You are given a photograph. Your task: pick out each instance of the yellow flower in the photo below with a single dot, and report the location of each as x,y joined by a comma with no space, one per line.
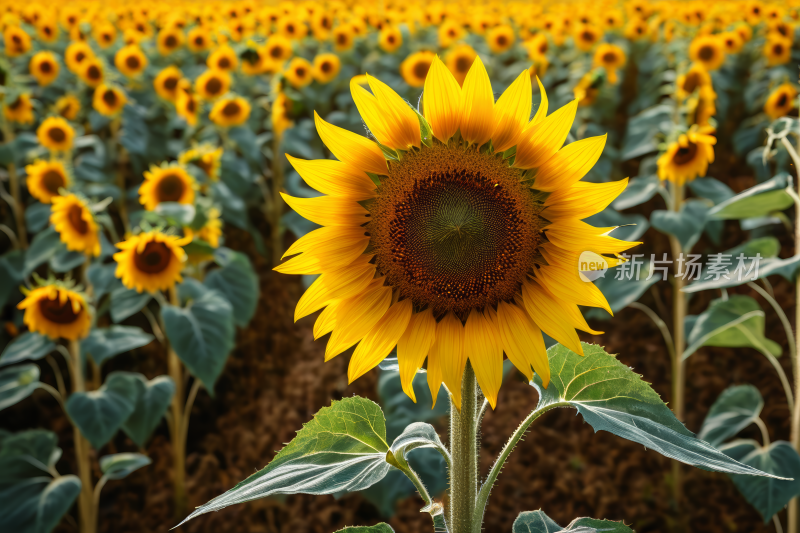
415,67
17,42
537,47
612,19
586,37
326,67
343,37
56,312
321,24
611,57
198,39
292,28
75,224
780,101
166,83
459,60
91,72
500,38
47,30
108,100
744,31
230,112
390,39
733,42
460,254
281,115
45,178
169,40
449,32
212,84
636,29
778,50
186,103
166,184
130,60
696,78
44,67
68,106
278,48
150,261
708,50
212,229
688,157
206,157
587,89
75,55
104,34
55,133
782,29
256,61
299,72
223,58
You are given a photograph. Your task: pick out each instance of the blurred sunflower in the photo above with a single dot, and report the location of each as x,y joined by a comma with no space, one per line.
449,32
91,72
636,29
500,38
150,261
781,28
689,156
57,312
586,37
45,178
75,224
198,39
780,101
279,48
108,100
212,229
299,72
696,78
612,19
777,50
206,156
745,32
611,57
212,84
16,40
733,42
415,68
169,39
449,260
104,34
166,83
68,106
255,60
459,60
44,67
343,37
187,104
390,39
230,112
47,30
708,50
588,88
701,107
326,67
166,184
281,114
55,133
76,54
223,58
130,60
292,28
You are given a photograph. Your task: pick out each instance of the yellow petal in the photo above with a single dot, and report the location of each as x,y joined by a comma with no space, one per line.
355,318
512,113
582,199
578,236
401,121
326,320
336,285
380,340
522,341
351,147
329,256
546,312
334,178
562,279
541,112
541,140
569,164
320,236
477,105
434,375
483,348
413,347
448,352
441,101
328,210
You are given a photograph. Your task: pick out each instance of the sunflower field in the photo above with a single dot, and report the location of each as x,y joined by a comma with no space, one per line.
253,254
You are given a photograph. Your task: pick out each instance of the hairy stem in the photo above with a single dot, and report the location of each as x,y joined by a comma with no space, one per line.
463,450
85,498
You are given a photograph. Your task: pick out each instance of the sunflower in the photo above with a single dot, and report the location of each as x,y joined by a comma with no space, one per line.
223,58
460,254
108,100
20,110
47,30
76,54
780,101
212,229
187,104
587,89
321,24
449,32
326,67
68,106
733,42
459,60
150,261
169,39
390,39
75,224
104,34
500,38
166,184
45,178
781,28
744,31
278,49
292,28
611,57
91,72
778,50
166,83
689,156
537,47
44,67
57,312
230,112
55,133
415,68
612,19
299,72
708,50
130,60
586,37
343,37
212,84
696,78
255,60
206,157
16,40
198,39
702,106
281,114
636,29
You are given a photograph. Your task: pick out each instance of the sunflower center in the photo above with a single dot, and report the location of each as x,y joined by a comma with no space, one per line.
502,40
778,49
110,98
170,188
198,41
55,311
421,69
171,41
691,82
170,83
57,134
275,52
46,67
454,229
213,86
782,100
301,72
79,57
463,63
132,62
326,67
341,39
609,57
706,53
154,258
231,109
224,63
52,180
75,217
685,154
587,36
93,73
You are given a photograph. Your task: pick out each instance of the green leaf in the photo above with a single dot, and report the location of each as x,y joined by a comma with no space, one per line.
175,213
611,397
36,505
638,191
737,322
416,436
400,410
120,465
343,448
17,383
153,401
42,248
100,413
127,302
104,343
202,334
534,522
687,225
28,346
102,278
30,453
593,525
37,216
383,527
12,266
761,200
767,495
735,409
711,188
237,281
785,267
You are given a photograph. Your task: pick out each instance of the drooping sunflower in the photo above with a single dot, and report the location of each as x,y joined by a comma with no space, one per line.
75,224
461,253
777,50
91,72
459,60
299,72
16,40
45,178
696,78
701,107
205,156
343,37
166,184
75,54
150,261
689,156
20,110
415,68
230,112
588,88
500,38
390,39
611,57
326,67
108,100
57,312
166,83
130,60
223,58
68,106
198,39
187,104
44,67
586,37
169,39
708,50
780,101
212,84
55,133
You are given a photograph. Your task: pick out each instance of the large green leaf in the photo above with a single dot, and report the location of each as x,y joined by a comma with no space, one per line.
126,302
761,200
737,322
42,248
104,343
785,267
28,346
237,281
12,266
377,528
30,453
36,505
538,522
202,334
611,397
767,495
687,225
153,401
343,448
17,383
735,409
37,216
120,465
711,188
64,260
102,278
100,413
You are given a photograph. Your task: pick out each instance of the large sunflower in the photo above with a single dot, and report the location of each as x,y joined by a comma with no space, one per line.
689,156
166,184
44,67
780,101
56,312
45,178
75,224
150,261
55,133
464,244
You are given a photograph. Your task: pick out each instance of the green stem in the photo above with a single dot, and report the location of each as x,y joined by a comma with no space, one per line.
463,450
85,498
787,326
177,426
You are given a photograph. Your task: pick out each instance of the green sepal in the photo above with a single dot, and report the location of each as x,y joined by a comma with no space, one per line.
376,179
